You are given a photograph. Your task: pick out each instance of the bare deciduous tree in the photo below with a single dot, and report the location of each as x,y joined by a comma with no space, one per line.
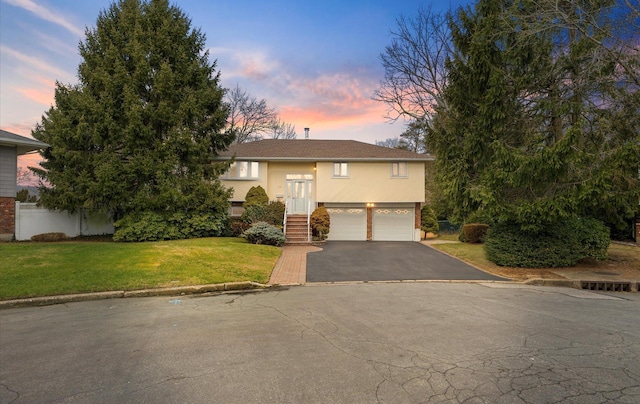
414,64
282,130
24,177
392,142
249,118
252,119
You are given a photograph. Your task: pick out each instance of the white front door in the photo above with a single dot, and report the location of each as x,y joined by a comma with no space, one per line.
299,195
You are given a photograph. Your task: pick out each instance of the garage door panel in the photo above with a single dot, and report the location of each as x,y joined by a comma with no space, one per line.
347,224
393,224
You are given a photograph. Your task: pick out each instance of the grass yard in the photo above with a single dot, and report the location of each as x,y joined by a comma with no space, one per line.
30,269
623,259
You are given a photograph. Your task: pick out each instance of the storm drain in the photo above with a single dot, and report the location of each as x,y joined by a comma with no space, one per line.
610,286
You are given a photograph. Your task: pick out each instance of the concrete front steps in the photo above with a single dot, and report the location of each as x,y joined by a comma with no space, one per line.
297,230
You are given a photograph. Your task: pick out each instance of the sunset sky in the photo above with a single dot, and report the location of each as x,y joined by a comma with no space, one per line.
316,62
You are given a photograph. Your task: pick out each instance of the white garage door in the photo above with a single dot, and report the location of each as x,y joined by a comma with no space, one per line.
393,224
348,224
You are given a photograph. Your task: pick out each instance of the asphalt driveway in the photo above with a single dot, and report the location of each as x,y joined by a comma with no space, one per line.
341,261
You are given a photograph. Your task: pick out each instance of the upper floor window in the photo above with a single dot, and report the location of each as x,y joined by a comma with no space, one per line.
399,169
243,170
340,169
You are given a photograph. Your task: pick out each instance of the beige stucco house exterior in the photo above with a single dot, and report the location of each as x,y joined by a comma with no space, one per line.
371,192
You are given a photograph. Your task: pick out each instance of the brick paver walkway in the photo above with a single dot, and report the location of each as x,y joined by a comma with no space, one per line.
291,268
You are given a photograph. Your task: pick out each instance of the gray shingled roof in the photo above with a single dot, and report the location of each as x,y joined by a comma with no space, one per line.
22,144
317,150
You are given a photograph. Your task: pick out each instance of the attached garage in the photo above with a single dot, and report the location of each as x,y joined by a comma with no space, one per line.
393,224
348,223
387,223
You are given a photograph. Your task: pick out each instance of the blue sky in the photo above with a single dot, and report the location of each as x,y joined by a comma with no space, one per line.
317,62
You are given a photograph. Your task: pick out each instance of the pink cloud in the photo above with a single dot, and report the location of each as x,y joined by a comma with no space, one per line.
40,95
330,101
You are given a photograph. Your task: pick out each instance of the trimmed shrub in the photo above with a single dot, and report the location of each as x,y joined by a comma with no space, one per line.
254,214
320,222
273,213
428,220
561,244
475,232
256,196
477,217
264,233
49,237
154,226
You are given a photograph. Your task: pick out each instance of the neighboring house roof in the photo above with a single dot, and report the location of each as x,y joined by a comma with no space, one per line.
23,144
317,150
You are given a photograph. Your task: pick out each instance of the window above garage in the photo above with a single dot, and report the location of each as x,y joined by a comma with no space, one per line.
340,170
399,169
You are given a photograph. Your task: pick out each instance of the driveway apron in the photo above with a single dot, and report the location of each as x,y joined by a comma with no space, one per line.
343,261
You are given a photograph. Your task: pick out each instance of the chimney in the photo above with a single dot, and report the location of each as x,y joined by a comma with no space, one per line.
306,133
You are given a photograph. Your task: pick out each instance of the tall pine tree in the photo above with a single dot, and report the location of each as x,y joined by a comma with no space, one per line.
138,132
541,116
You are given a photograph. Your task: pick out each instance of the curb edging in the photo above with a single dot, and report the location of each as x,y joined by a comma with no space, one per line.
120,294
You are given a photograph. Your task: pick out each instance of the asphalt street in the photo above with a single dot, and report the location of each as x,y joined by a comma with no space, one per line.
353,343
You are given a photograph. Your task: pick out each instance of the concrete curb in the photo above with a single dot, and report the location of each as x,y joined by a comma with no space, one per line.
119,294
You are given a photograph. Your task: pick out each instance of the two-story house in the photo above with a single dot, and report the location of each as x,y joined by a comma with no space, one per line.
371,192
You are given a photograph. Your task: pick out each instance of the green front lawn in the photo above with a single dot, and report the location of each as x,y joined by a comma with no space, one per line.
41,269
622,259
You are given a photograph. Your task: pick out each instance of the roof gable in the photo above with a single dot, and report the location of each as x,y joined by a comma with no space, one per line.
317,150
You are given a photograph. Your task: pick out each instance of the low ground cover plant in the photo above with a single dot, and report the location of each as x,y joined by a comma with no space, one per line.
264,233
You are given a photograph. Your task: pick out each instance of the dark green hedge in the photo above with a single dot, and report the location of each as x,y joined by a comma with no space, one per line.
154,226
560,245
273,213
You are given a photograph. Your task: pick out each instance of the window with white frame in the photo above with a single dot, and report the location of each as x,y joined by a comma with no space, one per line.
243,170
399,169
340,169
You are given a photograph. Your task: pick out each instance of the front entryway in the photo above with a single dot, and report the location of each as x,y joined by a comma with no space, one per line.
299,193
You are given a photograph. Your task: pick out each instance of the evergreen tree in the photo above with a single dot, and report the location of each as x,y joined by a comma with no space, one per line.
478,108
540,121
138,132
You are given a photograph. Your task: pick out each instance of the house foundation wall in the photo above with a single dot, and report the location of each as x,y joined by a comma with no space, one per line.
7,218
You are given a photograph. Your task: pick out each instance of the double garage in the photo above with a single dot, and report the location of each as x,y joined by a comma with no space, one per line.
388,223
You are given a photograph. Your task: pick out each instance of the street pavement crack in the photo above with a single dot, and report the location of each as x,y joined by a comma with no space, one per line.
8,395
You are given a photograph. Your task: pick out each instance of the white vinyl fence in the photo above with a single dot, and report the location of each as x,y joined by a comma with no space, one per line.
32,220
